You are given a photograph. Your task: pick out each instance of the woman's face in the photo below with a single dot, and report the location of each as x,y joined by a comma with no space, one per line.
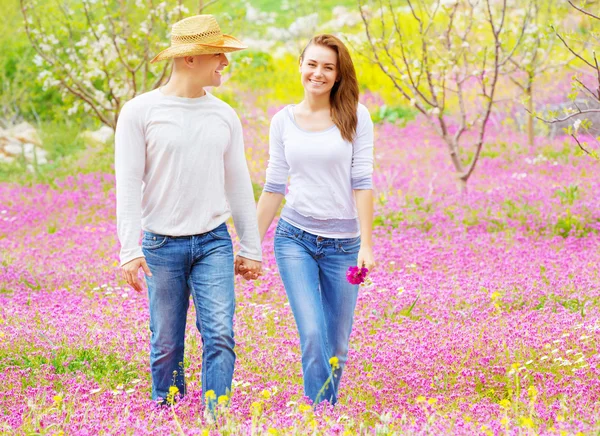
318,69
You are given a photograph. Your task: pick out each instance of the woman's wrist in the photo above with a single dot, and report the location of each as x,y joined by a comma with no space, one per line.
366,244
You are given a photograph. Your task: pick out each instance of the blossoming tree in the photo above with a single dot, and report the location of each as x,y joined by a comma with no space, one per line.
445,54
537,55
582,130
98,52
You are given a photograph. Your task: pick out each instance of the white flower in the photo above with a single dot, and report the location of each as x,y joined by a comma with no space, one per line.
576,125
38,60
448,3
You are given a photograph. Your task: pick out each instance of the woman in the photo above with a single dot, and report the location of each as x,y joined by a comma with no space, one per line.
325,145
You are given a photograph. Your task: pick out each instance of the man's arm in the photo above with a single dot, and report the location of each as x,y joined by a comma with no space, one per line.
240,195
130,161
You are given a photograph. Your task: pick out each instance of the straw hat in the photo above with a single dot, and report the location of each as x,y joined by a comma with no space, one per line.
198,35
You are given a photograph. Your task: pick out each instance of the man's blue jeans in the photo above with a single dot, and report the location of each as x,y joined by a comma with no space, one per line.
200,265
313,271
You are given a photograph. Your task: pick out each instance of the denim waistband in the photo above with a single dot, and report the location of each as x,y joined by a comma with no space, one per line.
184,236
292,230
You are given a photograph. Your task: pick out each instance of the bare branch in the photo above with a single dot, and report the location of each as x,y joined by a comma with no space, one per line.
584,11
577,55
580,144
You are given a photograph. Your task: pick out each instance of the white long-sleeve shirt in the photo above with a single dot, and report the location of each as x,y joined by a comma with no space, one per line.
181,170
323,171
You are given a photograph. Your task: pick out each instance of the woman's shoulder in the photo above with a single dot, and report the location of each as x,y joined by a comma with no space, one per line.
362,112
282,115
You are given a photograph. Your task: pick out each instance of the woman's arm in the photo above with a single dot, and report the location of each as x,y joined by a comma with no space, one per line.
268,204
364,204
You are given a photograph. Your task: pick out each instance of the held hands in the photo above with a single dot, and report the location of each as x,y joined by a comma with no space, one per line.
248,268
365,258
129,271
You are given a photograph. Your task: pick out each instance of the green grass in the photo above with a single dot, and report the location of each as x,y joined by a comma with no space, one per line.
104,368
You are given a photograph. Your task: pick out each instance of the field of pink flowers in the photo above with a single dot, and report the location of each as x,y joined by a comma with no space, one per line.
482,317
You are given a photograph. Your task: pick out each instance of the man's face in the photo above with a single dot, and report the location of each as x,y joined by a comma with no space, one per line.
209,68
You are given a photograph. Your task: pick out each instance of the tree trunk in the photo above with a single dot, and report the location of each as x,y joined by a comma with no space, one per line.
529,96
461,185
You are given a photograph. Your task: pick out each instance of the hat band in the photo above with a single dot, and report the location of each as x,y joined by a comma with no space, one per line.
212,36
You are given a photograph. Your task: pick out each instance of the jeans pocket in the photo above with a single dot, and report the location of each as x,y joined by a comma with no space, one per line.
350,246
152,241
221,233
283,230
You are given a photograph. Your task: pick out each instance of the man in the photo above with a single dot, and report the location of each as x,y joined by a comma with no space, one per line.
181,173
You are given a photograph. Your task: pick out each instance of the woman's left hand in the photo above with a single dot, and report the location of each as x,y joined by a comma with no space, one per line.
365,258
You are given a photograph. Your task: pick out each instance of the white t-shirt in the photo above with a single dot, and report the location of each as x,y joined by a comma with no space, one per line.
323,171
181,170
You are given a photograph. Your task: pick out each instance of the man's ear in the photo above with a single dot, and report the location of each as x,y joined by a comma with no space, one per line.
189,60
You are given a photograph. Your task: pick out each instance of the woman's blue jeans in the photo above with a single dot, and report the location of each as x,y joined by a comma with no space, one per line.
313,271
200,265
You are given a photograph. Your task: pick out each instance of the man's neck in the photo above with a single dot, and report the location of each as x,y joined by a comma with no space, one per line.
179,86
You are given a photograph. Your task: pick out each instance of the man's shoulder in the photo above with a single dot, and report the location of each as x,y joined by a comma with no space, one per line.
141,101
222,105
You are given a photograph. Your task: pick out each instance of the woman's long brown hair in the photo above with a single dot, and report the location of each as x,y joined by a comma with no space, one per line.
344,94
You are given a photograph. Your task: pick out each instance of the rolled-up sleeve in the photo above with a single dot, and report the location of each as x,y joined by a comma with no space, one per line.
278,168
362,155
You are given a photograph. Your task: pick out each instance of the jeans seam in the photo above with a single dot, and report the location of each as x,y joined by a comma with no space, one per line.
155,246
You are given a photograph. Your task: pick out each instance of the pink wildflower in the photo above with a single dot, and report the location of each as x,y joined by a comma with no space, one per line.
356,275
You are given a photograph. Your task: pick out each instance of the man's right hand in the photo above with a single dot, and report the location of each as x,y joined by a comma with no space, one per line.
130,272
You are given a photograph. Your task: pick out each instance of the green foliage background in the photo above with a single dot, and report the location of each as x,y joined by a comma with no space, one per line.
258,79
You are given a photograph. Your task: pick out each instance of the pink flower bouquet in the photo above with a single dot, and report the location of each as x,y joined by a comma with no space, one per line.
356,275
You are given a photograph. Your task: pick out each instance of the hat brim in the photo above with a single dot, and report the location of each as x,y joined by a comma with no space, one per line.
228,44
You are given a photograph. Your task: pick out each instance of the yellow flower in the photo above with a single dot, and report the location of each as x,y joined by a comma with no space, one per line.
504,421
486,430
256,408
210,395
272,431
304,408
505,403
173,390
421,399
526,422
432,401
532,391
334,362
495,295
560,418
265,394
57,400
223,399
